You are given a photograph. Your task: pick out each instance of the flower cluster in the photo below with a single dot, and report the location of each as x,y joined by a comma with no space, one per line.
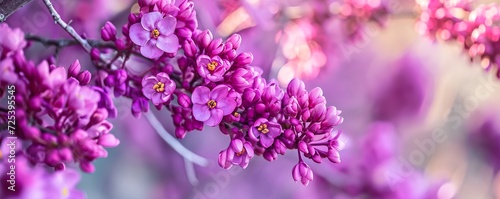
61,117
356,13
475,29
34,182
211,84
374,169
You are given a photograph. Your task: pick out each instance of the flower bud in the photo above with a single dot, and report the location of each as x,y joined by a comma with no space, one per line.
183,100
235,40
303,173
87,166
180,132
95,54
84,78
120,44
108,140
74,69
108,31
243,59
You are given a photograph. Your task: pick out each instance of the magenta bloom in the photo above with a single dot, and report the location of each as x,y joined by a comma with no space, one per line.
265,130
155,35
158,88
62,185
51,78
303,173
213,68
7,72
210,106
238,153
11,39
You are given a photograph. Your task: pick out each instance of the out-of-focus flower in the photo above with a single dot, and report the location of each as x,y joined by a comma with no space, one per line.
11,39
7,71
38,183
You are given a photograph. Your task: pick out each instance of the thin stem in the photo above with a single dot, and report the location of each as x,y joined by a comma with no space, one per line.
59,43
191,174
173,142
57,18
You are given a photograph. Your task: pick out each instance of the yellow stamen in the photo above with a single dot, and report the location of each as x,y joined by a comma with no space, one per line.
65,192
241,152
263,128
236,114
159,87
155,33
212,104
212,65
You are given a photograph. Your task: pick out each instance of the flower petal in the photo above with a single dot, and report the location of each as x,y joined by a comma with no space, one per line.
215,117
148,91
249,149
150,50
201,112
227,105
200,95
149,20
219,92
169,44
166,26
157,98
139,35
266,140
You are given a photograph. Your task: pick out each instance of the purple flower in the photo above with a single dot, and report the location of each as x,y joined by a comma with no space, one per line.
62,185
7,73
213,68
155,34
265,130
210,106
158,88
238,153
303,173
82,99
51,78
11,39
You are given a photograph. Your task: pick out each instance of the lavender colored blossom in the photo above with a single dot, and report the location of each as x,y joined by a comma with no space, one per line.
209,106
238,153
155,34
303,173
8,74
265,131
158,88
213,68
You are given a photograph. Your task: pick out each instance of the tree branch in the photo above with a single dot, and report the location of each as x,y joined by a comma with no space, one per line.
174,143
57,18
9,7
59,43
